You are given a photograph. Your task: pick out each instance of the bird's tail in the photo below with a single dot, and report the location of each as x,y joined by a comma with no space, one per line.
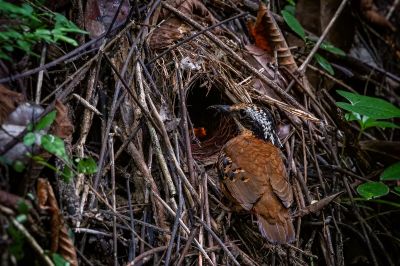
276,232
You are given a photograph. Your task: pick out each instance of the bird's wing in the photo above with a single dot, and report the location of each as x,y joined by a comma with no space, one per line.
278,179
240,177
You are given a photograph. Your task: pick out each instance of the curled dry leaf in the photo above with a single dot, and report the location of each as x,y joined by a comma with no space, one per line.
60,240
100,13
269,37
12,201
9,100
370,12
62,126
173,29
317,206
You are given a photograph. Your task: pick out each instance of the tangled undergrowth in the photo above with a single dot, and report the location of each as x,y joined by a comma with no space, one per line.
134,99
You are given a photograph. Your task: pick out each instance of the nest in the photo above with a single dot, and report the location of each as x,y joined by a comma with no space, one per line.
156,196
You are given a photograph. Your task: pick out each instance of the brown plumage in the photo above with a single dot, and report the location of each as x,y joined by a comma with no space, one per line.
253,175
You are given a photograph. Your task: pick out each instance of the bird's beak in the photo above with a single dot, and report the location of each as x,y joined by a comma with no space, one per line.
221,108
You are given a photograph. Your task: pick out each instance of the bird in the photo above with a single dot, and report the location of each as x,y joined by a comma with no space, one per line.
252,173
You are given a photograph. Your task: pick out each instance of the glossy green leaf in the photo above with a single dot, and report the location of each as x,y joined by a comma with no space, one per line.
291,2
391,173
293,23
397,189
54,145
324,64
29,139
332,49
21,218
380,124
371,190
18,166
46,121
59,260
290,8
87,166
374,108
352,116
16,247
67,174
23,207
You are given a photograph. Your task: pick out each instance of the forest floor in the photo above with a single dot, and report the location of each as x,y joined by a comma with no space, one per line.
108,147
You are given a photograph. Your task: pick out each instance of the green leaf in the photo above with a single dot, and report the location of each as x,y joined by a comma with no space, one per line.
352,116
380,124
324,64
21,218
371,190
291,9
24,45
54,145
291,2
59,260
18,166
23,207
17,244
87,166
46,121
397,189
391,173
372,107
332,49
29,139
68,174
293,23
65,39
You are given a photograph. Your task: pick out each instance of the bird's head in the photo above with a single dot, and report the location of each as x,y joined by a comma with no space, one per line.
252,117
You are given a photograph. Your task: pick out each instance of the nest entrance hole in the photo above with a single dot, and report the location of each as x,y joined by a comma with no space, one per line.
211,129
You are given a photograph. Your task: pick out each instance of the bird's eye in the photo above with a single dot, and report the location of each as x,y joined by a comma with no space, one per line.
242,113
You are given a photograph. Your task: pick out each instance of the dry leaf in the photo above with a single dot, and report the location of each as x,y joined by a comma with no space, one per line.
268,37
60,241
9,100
370,12
173,29
317,206
100,13
62,126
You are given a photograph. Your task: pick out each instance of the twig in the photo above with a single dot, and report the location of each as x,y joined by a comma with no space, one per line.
185,228
40,76
138,259
236,57
192,234
184,114
132,249
195,35
32,242
176,223
87,104
114,207
303,66
223,246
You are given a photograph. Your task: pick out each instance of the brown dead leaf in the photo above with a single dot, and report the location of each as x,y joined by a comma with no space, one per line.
173,29
11,200
62,126
269,37
317,206
259,58
9,100
100,13
385,150
371,13
60,240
